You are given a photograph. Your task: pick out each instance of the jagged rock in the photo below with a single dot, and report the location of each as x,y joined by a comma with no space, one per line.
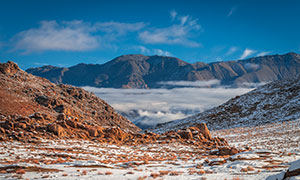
204,130
7,125
93,132
43,100
2,130
115,133
9,68
225,150
56,129
71,123
20,125
61,117
185,134
37,115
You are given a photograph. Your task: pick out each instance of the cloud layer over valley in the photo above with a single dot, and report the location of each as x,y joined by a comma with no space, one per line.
147,107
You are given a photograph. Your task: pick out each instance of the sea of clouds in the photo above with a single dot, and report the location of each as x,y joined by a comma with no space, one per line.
148,107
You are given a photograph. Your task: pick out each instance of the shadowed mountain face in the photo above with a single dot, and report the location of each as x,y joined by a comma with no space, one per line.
138,71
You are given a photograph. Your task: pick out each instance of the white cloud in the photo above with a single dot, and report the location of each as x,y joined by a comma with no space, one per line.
183,19
146,51
232,10
263,53
191,83
70,35
152,106
161,52
142,49
179,33
247,52
231,51
173,14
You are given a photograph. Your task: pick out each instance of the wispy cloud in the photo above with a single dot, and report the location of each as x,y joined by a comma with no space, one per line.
178,33
142,49
147,51
183,19
231,50
247,52
70,35
263,53
161,52
173,15
231,11
191,83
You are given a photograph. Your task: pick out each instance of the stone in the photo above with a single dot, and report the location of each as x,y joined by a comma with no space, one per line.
204,130
2,130
225,150
37,115
61,117
43,100
20,125
56,129
9,68
186,134
71,123
93,132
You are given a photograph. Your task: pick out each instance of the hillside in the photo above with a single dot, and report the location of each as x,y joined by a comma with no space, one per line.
273,102
35,104
139,71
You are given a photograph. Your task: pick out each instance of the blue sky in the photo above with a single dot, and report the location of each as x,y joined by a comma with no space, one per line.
65,33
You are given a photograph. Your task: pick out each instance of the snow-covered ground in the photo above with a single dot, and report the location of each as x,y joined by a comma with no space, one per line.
273,147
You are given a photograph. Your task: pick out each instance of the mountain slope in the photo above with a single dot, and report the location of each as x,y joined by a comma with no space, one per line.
138,71
273,102
26,96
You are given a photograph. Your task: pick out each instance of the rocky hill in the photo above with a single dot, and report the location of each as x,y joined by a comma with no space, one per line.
273,102
139,71
63,109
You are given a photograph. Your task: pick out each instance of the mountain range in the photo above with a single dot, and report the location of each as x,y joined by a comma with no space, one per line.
139,71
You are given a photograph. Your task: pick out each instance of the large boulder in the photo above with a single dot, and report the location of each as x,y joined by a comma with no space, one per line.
56,129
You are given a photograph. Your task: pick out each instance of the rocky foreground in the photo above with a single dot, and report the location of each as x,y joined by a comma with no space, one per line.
266,151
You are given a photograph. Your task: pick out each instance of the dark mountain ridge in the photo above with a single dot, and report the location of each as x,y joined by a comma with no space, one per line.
139,71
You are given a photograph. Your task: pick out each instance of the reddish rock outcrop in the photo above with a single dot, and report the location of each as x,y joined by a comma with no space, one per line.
25,95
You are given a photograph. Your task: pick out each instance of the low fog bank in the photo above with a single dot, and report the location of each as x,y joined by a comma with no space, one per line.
148,107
